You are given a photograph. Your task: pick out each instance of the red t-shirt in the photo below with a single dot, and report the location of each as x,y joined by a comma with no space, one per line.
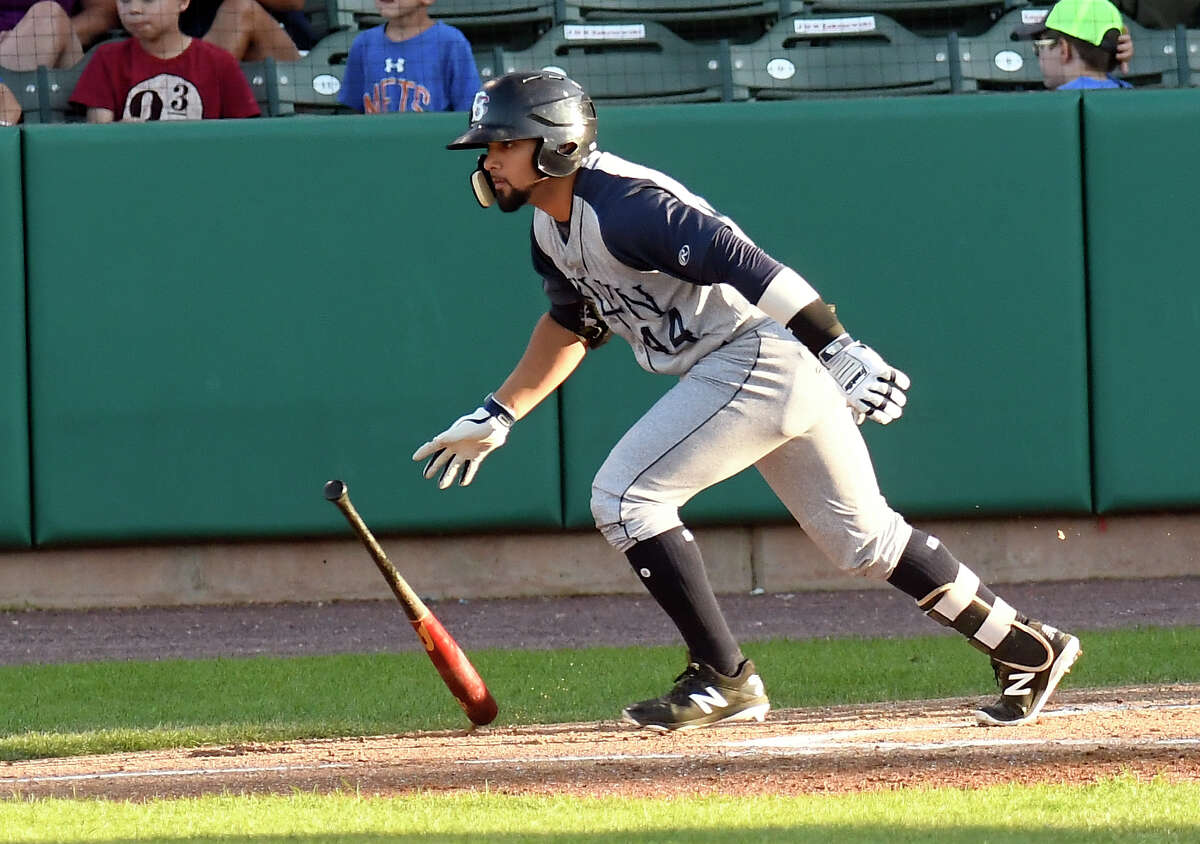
203,81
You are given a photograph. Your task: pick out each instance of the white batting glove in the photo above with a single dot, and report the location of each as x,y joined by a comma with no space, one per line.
463,445
873,389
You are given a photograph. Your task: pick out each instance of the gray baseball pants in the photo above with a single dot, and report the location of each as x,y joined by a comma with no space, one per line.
764,400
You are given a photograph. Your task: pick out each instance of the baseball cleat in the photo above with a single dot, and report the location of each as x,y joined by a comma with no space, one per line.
1023,693
703,696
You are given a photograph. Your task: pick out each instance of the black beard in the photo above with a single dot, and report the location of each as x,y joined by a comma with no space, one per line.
512,200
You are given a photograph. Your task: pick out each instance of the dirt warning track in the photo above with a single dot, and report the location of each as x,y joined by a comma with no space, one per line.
1085,735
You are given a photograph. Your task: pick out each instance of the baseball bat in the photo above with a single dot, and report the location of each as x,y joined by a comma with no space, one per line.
457,671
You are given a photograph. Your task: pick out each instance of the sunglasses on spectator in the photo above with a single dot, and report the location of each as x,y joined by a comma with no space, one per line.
1040,44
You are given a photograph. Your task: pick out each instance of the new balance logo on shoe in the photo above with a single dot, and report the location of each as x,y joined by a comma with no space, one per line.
1020,683
703,696
708,700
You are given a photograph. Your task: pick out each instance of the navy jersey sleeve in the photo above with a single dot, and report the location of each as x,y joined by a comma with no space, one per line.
649,228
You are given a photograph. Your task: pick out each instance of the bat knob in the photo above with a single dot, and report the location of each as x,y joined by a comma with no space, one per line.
335,490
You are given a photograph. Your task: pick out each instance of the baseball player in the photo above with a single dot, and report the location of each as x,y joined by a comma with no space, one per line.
767,377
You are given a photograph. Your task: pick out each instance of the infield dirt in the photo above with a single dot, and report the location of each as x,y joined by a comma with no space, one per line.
1084,734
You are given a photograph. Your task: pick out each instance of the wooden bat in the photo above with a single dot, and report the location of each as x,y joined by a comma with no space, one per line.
457,671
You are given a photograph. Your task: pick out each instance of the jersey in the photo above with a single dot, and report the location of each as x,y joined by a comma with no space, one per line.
203,81
432,71
648,257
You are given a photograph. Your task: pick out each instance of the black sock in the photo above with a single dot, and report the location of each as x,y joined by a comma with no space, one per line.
672,570
926,565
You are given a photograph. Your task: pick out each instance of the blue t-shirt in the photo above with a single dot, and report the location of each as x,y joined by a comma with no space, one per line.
1087,83
433,71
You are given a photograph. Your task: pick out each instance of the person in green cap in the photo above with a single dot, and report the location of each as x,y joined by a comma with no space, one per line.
1077,45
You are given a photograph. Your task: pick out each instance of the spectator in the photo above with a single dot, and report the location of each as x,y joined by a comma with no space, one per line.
161,73
38,33
410,63
245,28
10,109
1076,45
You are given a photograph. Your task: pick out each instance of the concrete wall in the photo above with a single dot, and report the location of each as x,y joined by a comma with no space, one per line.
774,558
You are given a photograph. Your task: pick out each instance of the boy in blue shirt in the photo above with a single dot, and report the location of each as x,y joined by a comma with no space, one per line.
410,63
1076,45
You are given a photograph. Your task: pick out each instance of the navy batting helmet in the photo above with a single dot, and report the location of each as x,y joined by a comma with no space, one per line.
535,104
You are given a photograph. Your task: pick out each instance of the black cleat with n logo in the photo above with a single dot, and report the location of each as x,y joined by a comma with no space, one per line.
1023,693
703,696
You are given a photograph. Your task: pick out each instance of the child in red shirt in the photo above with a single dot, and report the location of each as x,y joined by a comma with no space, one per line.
161,73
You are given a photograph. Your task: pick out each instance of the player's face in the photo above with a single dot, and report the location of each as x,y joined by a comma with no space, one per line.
510,164
150,19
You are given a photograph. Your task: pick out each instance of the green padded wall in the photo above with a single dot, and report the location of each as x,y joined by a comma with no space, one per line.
923,221
14,416
226,314
1143,178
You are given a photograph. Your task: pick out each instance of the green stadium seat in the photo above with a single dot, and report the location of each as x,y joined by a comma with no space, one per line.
1156,57
55,86
323,17
629,63
699,20
925,17
816,56
24,85
317,77
272,83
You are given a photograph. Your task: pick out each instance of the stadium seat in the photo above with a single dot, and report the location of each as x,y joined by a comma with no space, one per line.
698,20
1156,57
925,17
813,56
515,24
317,77
323,17
996,61
24,85
55,86
629,63
272,83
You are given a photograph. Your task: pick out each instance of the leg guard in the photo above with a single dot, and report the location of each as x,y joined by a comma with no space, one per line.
995,628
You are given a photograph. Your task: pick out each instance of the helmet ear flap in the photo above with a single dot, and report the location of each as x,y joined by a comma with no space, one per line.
481,184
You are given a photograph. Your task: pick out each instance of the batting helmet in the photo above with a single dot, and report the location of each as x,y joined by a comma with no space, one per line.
536,104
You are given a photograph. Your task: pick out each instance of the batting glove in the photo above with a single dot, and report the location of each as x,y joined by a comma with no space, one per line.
873,389
462,446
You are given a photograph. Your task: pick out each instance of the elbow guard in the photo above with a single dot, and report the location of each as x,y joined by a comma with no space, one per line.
584,321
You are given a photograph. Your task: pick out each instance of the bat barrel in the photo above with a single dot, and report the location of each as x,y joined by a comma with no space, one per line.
452,664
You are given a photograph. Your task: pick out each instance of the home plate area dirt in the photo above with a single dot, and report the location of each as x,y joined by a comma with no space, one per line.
1085,735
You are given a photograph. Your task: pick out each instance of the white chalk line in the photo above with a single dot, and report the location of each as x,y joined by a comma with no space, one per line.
168,772
813,744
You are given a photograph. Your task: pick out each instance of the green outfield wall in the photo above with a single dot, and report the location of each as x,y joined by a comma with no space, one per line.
14,402
1143,200
912,216
223,315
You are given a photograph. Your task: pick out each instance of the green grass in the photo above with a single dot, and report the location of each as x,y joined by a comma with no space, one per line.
61,710
1119,810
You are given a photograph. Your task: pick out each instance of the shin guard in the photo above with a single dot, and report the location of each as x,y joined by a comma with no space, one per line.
995,628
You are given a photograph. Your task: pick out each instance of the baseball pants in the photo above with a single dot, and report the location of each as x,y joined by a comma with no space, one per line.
764,400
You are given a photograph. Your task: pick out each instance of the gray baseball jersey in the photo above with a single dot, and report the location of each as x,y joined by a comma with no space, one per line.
649,255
